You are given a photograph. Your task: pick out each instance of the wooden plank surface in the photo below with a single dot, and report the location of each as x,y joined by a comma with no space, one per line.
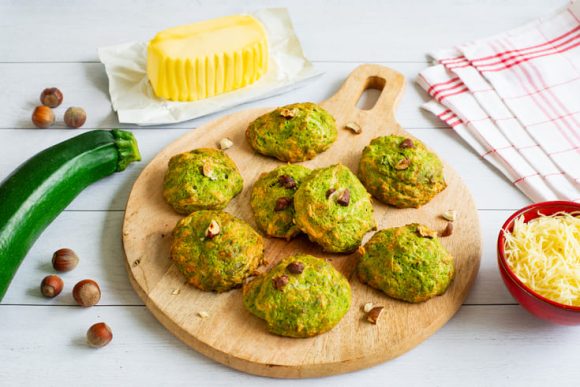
491,341
335,31
497,345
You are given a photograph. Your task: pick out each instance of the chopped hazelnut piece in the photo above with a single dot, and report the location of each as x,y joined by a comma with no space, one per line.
280,281
407,143
367,307
212,230
203,314
403,164
344,198
374,313
207,171
287,113
287,182
450,215
225,143
295,267
426,232
448,230
283,203
353,127
329,192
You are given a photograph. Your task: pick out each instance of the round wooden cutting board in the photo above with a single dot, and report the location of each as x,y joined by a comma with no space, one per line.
230,334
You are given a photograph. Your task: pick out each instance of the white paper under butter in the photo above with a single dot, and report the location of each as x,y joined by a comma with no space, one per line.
135,103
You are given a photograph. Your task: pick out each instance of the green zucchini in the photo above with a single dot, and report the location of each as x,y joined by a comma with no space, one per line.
42,187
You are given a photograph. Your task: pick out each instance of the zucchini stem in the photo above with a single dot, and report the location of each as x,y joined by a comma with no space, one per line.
126,147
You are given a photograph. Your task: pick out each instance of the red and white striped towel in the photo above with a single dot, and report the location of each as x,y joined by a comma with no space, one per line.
515,99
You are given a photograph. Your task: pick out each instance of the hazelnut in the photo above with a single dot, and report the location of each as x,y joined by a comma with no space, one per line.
287,113
212,230
225,143
75,117
403,164
450,215
51,97
280,281
407,143
295,267
203,314
43,117
283,203
329,192
374,313
448,230
51,286
64,260
287,182
353,127
99,335
344,198
368,307
207,171
87,293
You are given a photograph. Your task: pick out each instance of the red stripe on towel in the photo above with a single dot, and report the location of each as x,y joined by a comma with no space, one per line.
526,49
446,95
439,85
504,65
524,178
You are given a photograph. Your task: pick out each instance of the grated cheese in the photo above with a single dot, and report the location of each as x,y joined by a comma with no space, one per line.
545,255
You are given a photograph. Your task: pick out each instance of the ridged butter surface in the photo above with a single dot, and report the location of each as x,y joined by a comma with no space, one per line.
200,60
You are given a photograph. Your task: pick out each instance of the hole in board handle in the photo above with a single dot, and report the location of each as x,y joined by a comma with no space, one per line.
371,92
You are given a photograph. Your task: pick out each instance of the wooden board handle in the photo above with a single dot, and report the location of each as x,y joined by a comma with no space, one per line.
370,76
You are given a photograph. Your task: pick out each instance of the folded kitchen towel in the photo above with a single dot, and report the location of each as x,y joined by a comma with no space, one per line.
515,99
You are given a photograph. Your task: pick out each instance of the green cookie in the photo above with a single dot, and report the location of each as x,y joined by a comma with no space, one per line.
401,172
293,133
407,263
215,251
334,209
301,296
202,179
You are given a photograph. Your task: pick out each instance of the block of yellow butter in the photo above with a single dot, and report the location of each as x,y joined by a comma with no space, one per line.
200,60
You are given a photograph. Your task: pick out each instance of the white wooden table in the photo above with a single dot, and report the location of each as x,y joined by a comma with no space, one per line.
491,340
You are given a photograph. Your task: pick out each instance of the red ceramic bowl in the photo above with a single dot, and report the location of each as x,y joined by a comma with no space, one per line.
533,302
